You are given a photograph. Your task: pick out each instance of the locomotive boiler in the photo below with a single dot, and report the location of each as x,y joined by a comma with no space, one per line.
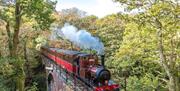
87,68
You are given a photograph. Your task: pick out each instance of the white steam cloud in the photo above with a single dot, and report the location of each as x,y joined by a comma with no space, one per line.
81,38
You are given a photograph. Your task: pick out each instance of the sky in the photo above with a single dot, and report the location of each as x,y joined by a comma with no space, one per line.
99,8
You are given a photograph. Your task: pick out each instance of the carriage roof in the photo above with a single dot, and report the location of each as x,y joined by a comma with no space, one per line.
69,52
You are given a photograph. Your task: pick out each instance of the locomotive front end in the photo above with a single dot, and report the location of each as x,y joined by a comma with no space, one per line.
101,78
100,75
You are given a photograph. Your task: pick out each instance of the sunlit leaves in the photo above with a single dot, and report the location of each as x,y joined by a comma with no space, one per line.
110,30
136,4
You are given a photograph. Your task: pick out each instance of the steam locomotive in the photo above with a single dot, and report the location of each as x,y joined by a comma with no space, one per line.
83,66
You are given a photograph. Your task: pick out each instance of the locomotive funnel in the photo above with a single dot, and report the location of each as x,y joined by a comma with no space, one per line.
102,59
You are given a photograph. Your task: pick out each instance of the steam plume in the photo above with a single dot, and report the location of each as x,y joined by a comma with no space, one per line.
81,38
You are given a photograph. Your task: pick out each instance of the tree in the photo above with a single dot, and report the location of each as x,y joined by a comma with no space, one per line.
136,59
110,30
88,23
15,15
71,16
38,10
162,16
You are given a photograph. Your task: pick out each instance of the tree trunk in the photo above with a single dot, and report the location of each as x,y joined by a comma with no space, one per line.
125,83
29,77
20,75
0,53
171,83
20,81
20,84
10,45
177,83
16,28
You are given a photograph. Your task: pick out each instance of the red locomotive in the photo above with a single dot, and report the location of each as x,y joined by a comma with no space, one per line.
83,66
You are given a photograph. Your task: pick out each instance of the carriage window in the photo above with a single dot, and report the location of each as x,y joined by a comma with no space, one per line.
71,58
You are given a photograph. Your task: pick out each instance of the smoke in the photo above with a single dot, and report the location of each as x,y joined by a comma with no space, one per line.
80,38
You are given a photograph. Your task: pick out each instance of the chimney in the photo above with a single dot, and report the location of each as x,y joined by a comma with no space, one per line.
102,59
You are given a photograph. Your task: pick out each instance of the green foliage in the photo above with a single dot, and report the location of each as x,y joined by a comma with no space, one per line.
12,73
136,4
88,23
140,50
77,18
19,18
40,41
142,84
40,80
110,31
72,16
33,87
40,11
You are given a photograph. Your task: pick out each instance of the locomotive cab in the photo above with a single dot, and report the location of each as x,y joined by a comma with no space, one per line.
83,65
85,61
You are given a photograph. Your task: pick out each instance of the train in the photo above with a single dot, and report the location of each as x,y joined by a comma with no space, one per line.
89,68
